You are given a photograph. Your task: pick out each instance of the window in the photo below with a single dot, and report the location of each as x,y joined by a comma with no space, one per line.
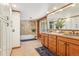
43,26
51,25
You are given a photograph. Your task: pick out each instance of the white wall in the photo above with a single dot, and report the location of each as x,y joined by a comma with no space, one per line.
5,30
16,28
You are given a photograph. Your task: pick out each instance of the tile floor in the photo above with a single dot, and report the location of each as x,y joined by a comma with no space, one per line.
27,49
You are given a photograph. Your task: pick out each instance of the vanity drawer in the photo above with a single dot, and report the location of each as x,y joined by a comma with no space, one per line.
52,36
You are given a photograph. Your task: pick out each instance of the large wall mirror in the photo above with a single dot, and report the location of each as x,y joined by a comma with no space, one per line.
65,19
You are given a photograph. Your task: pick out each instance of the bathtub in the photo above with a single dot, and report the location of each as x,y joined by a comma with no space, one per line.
27,37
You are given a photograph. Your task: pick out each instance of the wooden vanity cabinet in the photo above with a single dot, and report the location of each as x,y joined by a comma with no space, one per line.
72,49
46,40
39,37
67,46
61,46
42,39
52,43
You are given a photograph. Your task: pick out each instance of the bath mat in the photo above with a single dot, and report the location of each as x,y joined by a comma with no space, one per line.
44,51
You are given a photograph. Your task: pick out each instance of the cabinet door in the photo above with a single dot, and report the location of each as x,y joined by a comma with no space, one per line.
39,36
43,39
16,29
8,38
72,49
46,40
52,44
4,37
61,48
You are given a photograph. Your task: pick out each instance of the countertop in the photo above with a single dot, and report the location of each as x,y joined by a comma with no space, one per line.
64,35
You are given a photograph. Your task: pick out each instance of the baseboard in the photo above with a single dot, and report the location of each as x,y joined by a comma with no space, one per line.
14,48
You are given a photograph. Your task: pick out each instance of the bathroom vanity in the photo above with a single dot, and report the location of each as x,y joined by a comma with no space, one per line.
61,38
60,44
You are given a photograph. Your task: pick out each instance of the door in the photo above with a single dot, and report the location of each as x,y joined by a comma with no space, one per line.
3,39
61,48
72,49
8,36
16,28
4,30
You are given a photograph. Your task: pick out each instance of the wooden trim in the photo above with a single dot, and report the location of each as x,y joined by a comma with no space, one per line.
11,53
14,48
43,17
37,29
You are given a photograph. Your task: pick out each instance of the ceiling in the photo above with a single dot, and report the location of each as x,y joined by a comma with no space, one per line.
55,5
33,11
71,11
